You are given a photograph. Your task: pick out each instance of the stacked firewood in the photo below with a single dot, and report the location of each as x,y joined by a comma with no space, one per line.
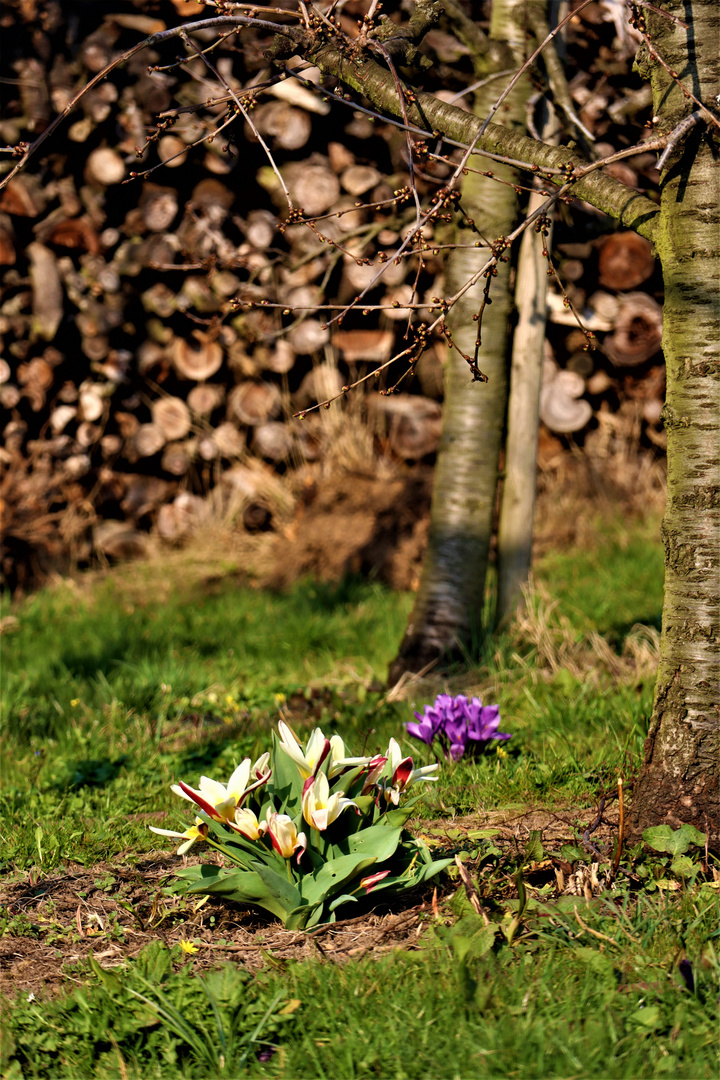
161,334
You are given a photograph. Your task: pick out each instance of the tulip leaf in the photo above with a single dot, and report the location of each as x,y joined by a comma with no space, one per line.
379,841
287,894
345,781
346,898
325,882
245,887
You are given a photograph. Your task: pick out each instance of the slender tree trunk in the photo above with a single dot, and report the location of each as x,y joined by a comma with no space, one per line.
447,615
515,527
680,780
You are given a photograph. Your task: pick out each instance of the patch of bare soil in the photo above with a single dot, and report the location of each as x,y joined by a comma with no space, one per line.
114,909
352,523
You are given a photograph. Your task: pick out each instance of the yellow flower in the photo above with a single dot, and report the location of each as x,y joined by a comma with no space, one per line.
500,752
75,701
188,946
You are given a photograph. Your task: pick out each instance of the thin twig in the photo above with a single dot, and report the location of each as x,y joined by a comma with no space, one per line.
587,843
528,63
471,892
621,828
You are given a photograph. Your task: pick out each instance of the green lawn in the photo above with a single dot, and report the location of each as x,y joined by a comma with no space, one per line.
111,693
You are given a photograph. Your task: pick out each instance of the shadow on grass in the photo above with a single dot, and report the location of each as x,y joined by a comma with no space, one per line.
91,772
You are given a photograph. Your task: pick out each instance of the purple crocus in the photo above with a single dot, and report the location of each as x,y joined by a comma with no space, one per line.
459,725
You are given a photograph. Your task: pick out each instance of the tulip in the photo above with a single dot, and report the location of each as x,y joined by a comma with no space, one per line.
320,808
309,761
284,836
400,773
375,768
338,761
246,823
198,831
220,801
369,883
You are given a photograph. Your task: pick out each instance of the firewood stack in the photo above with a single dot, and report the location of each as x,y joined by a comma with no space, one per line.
158,335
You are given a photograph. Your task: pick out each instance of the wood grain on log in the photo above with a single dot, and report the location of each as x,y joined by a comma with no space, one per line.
144,494
159,207
626,261
272,441
637,333
357,345
175,459
253,402
562,409
314,186
148,440
172,416
320,384
118,540
288,127
176,520
197,360
228,440
205,397
104,166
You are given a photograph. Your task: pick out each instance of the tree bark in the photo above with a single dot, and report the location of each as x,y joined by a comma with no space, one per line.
680,778
448,610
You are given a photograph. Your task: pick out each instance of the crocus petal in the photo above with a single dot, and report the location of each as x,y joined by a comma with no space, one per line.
338,760
422,731
167,832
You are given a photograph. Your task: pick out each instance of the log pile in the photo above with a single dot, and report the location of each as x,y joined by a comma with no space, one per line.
158,335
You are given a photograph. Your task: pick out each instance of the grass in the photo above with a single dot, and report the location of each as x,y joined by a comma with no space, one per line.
112,692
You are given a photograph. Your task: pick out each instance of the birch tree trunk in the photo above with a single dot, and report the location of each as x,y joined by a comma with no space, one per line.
680,779
448,609
515,527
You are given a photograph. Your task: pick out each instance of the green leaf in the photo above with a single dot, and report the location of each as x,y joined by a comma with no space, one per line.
325,882
482,834
346,898
481,943
533,847
344,782
379,841
683,866
245,887
573,853
286,780
283,891
676,842
110,981
649,1017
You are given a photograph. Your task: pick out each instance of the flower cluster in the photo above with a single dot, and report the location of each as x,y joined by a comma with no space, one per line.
458,725
282,820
